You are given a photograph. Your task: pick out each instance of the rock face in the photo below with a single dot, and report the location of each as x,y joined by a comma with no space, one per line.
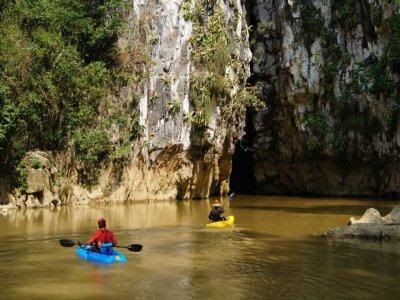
329,71
366,231
372,216
182,111
371,226
38,173
189,94
188,123
4,192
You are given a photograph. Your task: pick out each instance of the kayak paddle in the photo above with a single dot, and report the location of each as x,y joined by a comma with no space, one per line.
229,198
133,247
67,243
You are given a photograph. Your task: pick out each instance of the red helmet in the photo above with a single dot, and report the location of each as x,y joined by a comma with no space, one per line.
101,222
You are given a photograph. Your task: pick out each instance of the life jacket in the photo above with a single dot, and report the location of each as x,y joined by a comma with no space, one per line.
215,214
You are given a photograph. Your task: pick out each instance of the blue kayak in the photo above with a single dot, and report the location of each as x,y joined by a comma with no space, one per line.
108,255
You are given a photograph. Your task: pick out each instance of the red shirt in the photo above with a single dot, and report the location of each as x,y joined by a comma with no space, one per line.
102,236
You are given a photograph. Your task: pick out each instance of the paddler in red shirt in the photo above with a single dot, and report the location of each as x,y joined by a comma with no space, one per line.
102,236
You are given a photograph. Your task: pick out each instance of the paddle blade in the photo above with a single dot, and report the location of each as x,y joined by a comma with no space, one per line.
67,243
135,247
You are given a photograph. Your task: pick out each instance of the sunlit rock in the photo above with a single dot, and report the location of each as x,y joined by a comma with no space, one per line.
32,202
370,226
37,180
393,217
371,215
38,172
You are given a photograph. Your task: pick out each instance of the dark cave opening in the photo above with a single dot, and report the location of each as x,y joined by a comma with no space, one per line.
242,176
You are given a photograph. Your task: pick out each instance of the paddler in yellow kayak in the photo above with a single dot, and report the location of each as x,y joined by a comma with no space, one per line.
216,211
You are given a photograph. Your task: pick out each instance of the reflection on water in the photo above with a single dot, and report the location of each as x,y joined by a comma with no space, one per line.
270,252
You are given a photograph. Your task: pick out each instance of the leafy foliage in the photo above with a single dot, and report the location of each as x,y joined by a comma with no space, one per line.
212,53
345,13
92,147
36,163
58,61
312,22
173,107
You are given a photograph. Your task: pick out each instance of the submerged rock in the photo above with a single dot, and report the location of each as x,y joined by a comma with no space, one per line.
370,226
366,231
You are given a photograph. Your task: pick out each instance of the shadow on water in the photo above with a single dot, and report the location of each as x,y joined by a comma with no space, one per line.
320,209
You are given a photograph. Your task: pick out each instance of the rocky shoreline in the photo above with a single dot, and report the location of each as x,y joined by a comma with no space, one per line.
366,231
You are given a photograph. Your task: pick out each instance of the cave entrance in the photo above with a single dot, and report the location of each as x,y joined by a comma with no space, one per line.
242,175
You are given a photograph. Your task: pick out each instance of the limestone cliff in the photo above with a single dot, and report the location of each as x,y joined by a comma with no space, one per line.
186,144
329,71
199,65
173,127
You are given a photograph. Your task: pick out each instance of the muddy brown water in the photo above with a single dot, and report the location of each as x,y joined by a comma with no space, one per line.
271,253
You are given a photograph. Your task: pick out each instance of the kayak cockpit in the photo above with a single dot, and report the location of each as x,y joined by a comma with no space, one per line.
223,223
106,255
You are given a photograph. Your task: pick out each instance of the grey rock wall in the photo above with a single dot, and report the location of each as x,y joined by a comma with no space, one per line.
172,157
329,72
173,161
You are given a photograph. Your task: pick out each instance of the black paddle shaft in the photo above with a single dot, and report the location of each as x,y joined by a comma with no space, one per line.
133,247
229,199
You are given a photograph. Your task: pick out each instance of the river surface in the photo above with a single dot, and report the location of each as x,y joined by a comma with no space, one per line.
271,253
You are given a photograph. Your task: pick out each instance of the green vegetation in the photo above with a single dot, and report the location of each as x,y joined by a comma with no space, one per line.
92,146
173,107
59,61
317,126
210,53
392,53
375,79
36,164
312,23
21,177
213,52
154,39
187,10
344,13
376,15
266,27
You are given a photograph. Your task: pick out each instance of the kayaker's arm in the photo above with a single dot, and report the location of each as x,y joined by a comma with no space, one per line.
93,238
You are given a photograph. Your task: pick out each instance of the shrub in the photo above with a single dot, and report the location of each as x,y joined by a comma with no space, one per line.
345,13
91,146
173,107
21,178
59,60
36,164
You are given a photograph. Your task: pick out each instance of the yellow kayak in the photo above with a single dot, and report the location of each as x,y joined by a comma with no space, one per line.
220,224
